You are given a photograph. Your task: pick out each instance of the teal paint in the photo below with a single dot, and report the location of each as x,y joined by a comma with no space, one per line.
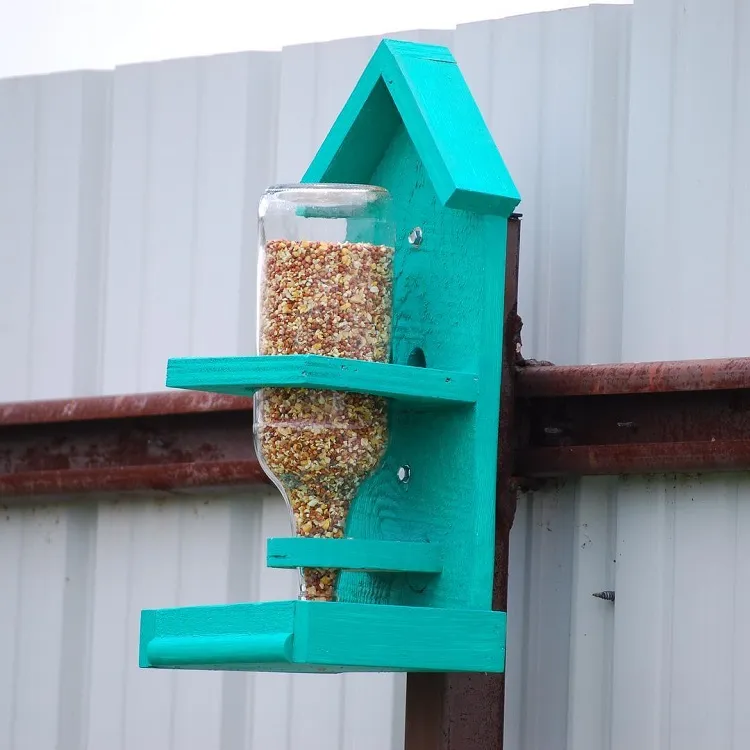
416,583
242,376
328,637
420,87
220,649
370,555
444,291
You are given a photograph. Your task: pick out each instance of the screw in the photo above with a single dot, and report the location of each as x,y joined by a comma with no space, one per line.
415,237
404,473
608,596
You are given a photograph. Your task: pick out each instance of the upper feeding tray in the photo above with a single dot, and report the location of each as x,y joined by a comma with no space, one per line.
242,376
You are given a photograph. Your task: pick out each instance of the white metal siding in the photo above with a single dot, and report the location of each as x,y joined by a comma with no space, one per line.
683,553
127,235
52,153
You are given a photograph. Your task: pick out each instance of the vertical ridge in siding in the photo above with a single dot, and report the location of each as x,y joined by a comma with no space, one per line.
129,196
681,563
18,115
52,166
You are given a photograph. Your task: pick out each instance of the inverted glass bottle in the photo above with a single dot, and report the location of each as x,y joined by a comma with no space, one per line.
325,280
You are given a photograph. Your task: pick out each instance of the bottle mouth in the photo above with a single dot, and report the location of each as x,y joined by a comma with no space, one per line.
327,194
346,186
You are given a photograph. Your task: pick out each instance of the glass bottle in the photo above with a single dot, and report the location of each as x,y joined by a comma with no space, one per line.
325,280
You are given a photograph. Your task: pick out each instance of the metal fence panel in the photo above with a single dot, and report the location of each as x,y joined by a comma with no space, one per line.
680,660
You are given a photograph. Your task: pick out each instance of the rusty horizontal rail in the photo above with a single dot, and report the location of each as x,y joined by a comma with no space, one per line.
633,378
160,441
633,418
639,458
118,407
569,421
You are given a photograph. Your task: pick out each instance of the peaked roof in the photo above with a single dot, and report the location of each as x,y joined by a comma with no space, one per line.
420,85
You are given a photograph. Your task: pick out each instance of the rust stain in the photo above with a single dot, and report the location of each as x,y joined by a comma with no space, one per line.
678,417
119,407
161,477
155,447
632,378
643,458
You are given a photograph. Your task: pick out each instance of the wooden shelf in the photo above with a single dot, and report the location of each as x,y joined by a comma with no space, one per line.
242,376
301,636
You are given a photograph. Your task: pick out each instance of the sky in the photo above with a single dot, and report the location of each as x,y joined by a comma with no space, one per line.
41,36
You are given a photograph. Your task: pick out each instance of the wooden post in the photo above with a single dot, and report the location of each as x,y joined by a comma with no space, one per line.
465,711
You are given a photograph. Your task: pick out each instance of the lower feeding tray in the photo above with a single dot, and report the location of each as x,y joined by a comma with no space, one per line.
306,636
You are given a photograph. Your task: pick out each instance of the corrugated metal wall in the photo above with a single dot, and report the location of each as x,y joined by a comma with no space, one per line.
683,545
644,173
127,235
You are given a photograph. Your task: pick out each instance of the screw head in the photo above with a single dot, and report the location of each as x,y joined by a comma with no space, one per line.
415,237
607,596
404,473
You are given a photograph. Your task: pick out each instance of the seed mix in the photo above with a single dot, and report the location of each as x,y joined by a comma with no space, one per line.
332,299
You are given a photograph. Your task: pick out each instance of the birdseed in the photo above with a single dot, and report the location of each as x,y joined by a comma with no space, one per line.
332,299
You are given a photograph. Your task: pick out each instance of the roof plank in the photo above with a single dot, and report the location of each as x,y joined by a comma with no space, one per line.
421,86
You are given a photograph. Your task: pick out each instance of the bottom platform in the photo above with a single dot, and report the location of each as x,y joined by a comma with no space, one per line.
301,636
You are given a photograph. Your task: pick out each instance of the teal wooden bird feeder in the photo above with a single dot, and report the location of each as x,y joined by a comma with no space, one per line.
377,391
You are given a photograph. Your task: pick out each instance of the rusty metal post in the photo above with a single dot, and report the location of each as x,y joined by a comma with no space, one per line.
465,711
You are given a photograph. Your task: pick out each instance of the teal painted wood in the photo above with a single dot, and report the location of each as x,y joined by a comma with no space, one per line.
410,126
448,302
271,619
269,648
242,376
399,638
448,298
367,555
421,88
325,637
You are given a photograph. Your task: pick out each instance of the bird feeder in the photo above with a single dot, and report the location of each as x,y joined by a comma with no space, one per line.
377,392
